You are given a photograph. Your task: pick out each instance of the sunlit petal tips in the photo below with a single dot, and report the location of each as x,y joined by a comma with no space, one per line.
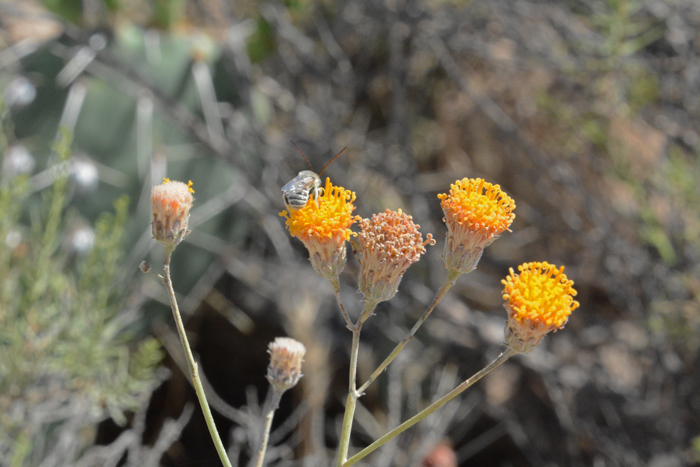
538,300
386,246
476,213
170,206
324,228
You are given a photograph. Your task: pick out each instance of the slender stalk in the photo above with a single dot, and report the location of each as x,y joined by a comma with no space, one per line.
336,288
194,371
505,355
352,399
274,403
449,282
353,394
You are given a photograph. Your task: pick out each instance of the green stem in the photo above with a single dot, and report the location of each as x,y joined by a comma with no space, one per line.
336,288
432,408
352,399
353,394
449,282
194,372
274,403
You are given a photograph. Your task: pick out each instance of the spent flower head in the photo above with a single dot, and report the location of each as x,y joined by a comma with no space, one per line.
170,205
386,246
476,213
324,228
286,355
538,300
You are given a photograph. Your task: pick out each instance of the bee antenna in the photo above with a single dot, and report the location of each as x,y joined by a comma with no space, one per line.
329,163
302,155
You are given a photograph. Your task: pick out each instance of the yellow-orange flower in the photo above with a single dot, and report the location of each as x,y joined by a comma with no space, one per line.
324,228
386,246
170,207
539,300
476,213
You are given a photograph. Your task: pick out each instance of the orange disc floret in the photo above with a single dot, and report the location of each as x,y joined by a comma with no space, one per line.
331,217
476,213
478,205
539,299
541,293
323,225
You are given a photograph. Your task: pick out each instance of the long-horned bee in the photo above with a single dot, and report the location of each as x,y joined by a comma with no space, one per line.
298,190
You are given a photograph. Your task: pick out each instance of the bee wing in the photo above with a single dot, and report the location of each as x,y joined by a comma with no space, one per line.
300,182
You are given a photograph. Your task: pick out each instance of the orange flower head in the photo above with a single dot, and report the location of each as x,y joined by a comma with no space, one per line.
386,246
324,228
538,300
476,213
170,205
286,355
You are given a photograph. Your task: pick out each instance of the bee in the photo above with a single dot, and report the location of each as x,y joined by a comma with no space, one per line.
300,188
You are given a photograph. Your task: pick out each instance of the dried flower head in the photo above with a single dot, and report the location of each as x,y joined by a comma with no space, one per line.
538,300
286,355
170,204
386,246
476,213
324,228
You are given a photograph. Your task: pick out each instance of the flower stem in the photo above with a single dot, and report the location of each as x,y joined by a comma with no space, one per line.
336,288
194,372
353,394
449,282
274,403
505,355
352,400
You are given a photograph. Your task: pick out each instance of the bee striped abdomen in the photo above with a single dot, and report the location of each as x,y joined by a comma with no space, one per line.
298,191
296,199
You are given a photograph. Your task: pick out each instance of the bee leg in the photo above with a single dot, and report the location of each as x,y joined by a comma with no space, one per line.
316,195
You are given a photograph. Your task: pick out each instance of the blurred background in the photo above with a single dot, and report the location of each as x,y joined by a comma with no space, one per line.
586,112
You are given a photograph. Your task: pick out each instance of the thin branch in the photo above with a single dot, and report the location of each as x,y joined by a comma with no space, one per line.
274,403
336,288
505,355
353,394
194,372
438,297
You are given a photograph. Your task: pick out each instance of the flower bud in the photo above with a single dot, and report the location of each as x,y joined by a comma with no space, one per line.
286,355
170,205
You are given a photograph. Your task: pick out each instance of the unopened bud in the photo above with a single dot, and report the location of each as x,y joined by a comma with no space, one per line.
286,355
170,204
